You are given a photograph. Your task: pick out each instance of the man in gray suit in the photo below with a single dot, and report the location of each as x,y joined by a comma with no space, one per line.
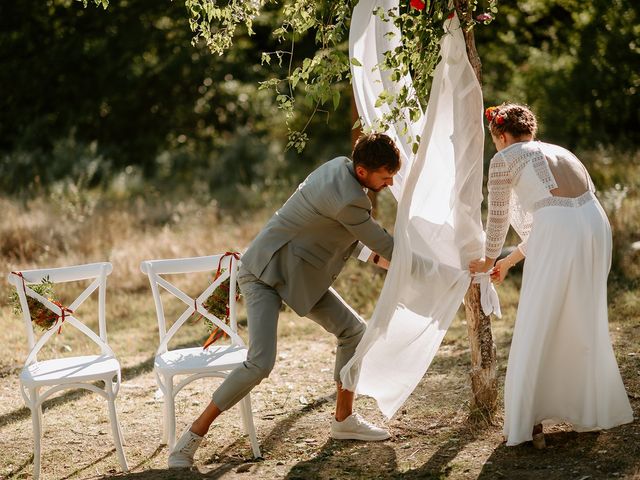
295,259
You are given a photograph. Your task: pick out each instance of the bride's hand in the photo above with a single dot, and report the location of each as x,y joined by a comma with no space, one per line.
499,272
480,265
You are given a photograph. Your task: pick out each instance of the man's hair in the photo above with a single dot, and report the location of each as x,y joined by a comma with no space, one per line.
376,150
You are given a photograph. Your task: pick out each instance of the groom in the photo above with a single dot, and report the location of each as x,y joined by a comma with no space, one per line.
295,259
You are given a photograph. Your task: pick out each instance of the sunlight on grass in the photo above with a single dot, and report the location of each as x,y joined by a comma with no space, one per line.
431,431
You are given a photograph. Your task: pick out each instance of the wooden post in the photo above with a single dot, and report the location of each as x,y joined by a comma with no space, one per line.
484,384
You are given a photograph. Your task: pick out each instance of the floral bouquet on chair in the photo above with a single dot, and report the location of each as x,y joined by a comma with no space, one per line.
217,304
41,316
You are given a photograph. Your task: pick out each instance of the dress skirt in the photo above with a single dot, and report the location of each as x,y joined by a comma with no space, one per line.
561,363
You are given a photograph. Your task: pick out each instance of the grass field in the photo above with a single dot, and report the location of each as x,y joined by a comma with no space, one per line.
432,436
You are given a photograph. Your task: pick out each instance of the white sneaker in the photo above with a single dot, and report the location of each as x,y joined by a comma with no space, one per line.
182,454
354,427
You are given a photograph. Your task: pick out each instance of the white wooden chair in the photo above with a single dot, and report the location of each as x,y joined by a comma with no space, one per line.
195,363
68,372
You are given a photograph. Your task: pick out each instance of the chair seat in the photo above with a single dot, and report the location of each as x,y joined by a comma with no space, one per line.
198,360
70,370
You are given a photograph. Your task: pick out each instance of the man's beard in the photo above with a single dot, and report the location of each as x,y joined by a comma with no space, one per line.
377,190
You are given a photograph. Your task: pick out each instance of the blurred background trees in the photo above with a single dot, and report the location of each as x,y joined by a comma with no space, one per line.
577,63
92,96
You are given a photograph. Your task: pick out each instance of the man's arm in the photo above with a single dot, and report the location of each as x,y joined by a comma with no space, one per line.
356,217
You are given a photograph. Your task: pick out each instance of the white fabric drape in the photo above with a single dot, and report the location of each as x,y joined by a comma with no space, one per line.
438,227
369,38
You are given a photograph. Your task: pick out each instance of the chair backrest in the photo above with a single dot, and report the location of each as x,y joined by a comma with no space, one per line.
97,272
225,264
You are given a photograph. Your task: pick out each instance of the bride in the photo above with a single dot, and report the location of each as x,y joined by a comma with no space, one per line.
561,363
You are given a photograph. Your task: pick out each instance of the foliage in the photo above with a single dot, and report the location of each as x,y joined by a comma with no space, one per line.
216,26
129,99
125,88
41,316
314,77
217,304
617,178
576,63
99,3
421,26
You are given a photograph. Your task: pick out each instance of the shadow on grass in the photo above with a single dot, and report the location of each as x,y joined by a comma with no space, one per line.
24,413
222,462
273,439
614,453
348,459
16,471
439,464
95,462
83,468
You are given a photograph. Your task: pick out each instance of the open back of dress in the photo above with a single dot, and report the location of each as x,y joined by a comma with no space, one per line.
524,177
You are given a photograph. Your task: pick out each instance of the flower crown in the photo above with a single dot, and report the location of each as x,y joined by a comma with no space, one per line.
493,114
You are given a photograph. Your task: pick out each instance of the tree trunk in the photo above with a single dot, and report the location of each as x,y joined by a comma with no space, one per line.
462,8
484,385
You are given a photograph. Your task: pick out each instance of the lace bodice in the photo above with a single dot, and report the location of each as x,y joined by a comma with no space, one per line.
519,178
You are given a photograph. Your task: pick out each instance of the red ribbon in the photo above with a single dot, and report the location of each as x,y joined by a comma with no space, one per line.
19,274
235,255
64,310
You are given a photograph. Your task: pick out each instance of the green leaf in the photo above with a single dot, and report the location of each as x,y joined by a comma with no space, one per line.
336,98
354,61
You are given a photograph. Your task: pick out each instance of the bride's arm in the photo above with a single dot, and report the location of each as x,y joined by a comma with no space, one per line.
502,267
499,187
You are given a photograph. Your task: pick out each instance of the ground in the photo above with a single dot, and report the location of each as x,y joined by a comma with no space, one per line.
431,435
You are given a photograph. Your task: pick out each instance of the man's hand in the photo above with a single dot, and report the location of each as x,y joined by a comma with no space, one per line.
383,263
376,259
481,265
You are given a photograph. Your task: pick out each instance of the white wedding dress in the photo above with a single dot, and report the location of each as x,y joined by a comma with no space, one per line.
561,363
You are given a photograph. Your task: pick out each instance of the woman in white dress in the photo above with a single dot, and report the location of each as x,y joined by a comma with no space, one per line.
561,363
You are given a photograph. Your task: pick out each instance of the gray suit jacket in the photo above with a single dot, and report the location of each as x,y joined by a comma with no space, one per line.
304,246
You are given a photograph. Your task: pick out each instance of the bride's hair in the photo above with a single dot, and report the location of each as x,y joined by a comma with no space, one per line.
515,119
376,150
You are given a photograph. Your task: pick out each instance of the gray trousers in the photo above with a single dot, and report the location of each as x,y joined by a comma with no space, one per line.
263,308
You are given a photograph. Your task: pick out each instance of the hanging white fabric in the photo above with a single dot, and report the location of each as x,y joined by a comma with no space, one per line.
438,227
369,38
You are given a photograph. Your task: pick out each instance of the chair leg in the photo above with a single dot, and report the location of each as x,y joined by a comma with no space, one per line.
170,413
249,427
115,427
164,434
122,438
36,420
